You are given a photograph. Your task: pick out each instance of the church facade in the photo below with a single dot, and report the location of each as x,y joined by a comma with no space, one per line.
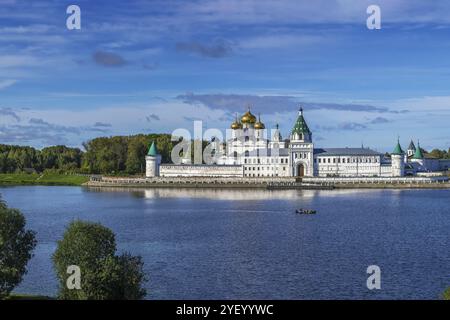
250,154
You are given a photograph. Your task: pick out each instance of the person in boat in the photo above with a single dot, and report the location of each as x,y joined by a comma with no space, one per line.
304,211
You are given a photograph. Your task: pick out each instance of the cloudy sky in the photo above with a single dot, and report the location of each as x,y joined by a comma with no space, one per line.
155,66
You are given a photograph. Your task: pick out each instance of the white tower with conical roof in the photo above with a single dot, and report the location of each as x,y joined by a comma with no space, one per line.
152,162
398,161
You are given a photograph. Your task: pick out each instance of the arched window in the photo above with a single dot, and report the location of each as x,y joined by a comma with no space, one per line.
246,153
235,154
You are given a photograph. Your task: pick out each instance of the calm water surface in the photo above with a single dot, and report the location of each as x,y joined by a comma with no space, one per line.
221,244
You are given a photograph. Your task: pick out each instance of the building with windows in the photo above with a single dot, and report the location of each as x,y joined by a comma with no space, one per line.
250,153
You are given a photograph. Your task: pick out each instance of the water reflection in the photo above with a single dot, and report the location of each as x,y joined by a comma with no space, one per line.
228,194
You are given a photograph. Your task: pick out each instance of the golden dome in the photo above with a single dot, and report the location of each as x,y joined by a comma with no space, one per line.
236,124
248,117
259,124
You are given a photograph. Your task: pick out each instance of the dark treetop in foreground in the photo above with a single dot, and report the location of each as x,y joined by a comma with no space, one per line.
104,276
16,246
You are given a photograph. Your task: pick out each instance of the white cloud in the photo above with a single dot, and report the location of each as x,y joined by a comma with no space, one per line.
11,61
7,83
318,11
424,104
280,41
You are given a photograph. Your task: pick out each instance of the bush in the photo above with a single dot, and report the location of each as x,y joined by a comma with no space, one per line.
446,294
104,276
16,246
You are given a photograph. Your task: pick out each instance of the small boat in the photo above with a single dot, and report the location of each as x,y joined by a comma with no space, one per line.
305,211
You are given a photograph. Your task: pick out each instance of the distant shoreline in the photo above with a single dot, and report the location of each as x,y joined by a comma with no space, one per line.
259,187
261,183
288,183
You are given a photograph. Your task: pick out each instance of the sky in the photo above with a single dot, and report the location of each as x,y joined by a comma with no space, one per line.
156,66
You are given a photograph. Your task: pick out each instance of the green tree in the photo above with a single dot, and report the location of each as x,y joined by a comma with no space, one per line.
103,155
446,294
16,246
104,276
137,149
60,158
122,277
436,153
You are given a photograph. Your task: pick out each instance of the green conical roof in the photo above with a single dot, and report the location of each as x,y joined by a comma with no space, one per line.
398,148
152,151
412,146
300,125
418,154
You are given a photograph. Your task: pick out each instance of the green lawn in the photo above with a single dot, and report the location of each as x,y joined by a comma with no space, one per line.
48,179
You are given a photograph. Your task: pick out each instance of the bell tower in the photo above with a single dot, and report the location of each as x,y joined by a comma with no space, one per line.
301,148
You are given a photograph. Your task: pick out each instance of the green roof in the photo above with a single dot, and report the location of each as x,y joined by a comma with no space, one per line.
418,154
300,126
412,146
398,149
152,151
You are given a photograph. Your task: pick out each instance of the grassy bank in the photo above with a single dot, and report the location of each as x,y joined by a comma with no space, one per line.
46,179
28,297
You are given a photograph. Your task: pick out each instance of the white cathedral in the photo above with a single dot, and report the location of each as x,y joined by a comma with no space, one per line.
249,154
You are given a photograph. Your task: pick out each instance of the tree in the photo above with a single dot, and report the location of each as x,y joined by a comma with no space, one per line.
123,275
446,294
16,246
137,150
104,276
2,203
61,158
438,154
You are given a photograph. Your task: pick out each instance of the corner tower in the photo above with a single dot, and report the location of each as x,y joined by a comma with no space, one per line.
398,161
152,162
418,156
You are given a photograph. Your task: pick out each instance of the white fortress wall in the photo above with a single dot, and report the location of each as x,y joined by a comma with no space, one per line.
266,166
387,180
182,170
444,164
346,166
386,170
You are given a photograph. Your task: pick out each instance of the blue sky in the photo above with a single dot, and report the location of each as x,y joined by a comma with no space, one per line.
154,66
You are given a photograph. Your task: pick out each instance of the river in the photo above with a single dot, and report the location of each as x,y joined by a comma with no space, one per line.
249,244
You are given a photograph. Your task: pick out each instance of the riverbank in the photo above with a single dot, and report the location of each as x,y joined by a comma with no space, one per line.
15,296
280,183
45,179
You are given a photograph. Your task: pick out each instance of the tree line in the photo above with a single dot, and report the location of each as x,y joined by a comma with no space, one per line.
104,155
439,154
